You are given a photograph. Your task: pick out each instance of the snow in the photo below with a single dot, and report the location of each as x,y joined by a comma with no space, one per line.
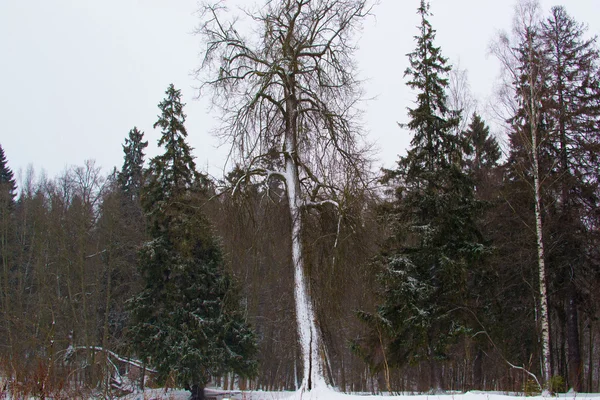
323,393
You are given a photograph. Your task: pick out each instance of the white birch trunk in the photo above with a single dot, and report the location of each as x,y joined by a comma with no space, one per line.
545,327
533,121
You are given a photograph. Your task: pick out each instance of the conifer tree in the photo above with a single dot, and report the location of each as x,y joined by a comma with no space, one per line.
8,186
482,152
125,205
481,149
173,173
186,321
131,176
7,203
434,238
571,108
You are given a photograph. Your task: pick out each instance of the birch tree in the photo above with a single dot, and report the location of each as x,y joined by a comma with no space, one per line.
520,57
288,97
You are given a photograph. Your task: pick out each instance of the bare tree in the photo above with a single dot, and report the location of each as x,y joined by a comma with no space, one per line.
288,95
460,96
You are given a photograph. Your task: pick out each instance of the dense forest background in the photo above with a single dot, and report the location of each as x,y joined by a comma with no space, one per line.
468,265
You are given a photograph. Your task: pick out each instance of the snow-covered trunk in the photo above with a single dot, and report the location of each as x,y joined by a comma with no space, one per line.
533,124
311,344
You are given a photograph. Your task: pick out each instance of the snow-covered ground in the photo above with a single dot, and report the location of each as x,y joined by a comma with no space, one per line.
323,393
326,394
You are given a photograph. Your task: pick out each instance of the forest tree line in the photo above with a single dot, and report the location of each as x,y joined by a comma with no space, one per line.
459,268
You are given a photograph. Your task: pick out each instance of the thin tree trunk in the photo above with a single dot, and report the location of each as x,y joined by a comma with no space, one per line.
591,358
574,356
545,326
105,329
478,370
533,122
6,306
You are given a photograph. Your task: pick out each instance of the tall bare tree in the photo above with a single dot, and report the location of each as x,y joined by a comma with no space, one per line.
460,96
288,96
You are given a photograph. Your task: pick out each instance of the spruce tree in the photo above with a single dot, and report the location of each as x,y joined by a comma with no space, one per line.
186,320
434,239
7,205
131,176
8,186
173,173
482,150
571,110
481,154
121,231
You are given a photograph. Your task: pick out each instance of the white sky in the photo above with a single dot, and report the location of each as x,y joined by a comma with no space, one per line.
76,75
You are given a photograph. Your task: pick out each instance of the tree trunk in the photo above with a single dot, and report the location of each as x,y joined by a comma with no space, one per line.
435,376
533,124
197,392
478,370
143,377
574,356
310,340
5,297
590,358
311,344
544,324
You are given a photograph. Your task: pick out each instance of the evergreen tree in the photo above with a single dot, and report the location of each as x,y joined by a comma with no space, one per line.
131,176
481,162
127,193
173,173
186,321
8,186
7,203
572,114
434,238
482,151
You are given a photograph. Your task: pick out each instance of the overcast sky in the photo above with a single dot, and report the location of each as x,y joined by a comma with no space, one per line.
77,75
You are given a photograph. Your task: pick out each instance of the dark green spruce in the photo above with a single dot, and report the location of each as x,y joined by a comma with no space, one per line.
131,176
8,186
434,239
187,321
8,189
573,109
482,151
